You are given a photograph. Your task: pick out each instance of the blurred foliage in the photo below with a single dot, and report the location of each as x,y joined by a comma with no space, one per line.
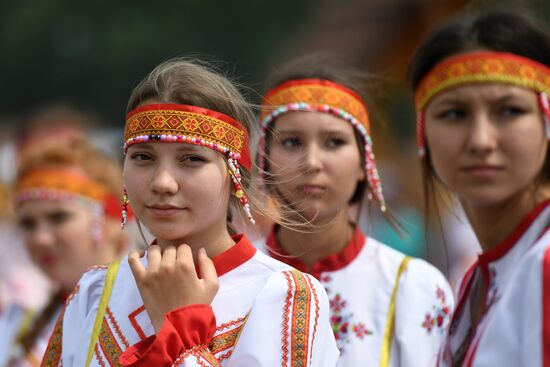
93,53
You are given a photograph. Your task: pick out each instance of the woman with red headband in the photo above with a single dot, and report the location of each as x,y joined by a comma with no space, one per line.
482,87
202,295
67,200
317,162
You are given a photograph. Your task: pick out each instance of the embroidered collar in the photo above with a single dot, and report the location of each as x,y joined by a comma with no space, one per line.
332,262
509,242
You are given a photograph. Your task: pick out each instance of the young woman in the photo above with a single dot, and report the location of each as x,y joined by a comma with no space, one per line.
386,309
482,88
67,207
200,296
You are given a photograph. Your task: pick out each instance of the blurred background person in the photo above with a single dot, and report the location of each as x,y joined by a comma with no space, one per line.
67,206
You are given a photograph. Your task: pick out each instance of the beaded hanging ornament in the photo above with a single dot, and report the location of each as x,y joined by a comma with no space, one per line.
316,95
178,123
482,67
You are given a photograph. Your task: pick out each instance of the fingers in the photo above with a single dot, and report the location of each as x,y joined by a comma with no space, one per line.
138,270
206,267
154,257
184,253
168,257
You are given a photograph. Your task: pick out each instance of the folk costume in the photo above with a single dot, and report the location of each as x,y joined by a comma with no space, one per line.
512,280
58,184
264,314
386,309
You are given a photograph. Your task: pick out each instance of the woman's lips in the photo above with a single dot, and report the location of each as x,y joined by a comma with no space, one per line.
482,171
311,189
164,210
48,259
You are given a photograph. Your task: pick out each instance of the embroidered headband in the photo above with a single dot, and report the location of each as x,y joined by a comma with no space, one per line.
482,67
65,184
317,95
197,126
188,124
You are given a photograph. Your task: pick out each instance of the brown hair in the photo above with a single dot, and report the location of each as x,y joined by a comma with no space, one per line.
197,83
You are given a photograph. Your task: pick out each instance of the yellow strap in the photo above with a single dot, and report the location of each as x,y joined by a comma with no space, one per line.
103,303
390,321
25,324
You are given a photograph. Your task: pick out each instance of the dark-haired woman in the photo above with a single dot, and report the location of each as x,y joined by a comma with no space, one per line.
482,88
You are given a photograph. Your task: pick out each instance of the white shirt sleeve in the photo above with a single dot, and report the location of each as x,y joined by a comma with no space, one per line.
423,308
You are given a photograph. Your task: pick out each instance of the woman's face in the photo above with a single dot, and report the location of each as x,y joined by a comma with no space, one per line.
315,162
486,141
59,238
179,191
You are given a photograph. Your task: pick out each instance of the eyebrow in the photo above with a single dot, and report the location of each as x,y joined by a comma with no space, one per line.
454,100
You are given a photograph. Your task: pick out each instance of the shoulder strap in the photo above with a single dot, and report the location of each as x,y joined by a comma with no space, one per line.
112,271
390,321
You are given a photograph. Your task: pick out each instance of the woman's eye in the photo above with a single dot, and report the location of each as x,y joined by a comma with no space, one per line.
194,159
452,114
140,157
511,111
291,142
26,224
59,217
335,142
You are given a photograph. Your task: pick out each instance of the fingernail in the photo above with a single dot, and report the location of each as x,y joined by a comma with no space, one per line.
202,251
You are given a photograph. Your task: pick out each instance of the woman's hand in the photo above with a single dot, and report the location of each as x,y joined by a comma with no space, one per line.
170,280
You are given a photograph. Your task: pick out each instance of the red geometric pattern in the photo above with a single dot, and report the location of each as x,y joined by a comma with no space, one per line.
300,320
52,356
223,342
190,121
316,92
109,345
483,67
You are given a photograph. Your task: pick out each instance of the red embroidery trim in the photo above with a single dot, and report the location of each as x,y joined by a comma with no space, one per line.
286,319
300,320
314,291
52,356
98,357
117,327
109,346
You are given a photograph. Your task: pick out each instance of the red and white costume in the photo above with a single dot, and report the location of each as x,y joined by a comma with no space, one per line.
385,309
264,314
514,329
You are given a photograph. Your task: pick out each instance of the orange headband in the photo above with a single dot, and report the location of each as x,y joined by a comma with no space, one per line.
316,93
481,67
188,124
63,184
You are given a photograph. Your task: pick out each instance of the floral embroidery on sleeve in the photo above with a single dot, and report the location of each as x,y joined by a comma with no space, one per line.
342,321
438,316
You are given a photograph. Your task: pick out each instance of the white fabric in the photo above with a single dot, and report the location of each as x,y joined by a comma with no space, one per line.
510,332
258,287
360,296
